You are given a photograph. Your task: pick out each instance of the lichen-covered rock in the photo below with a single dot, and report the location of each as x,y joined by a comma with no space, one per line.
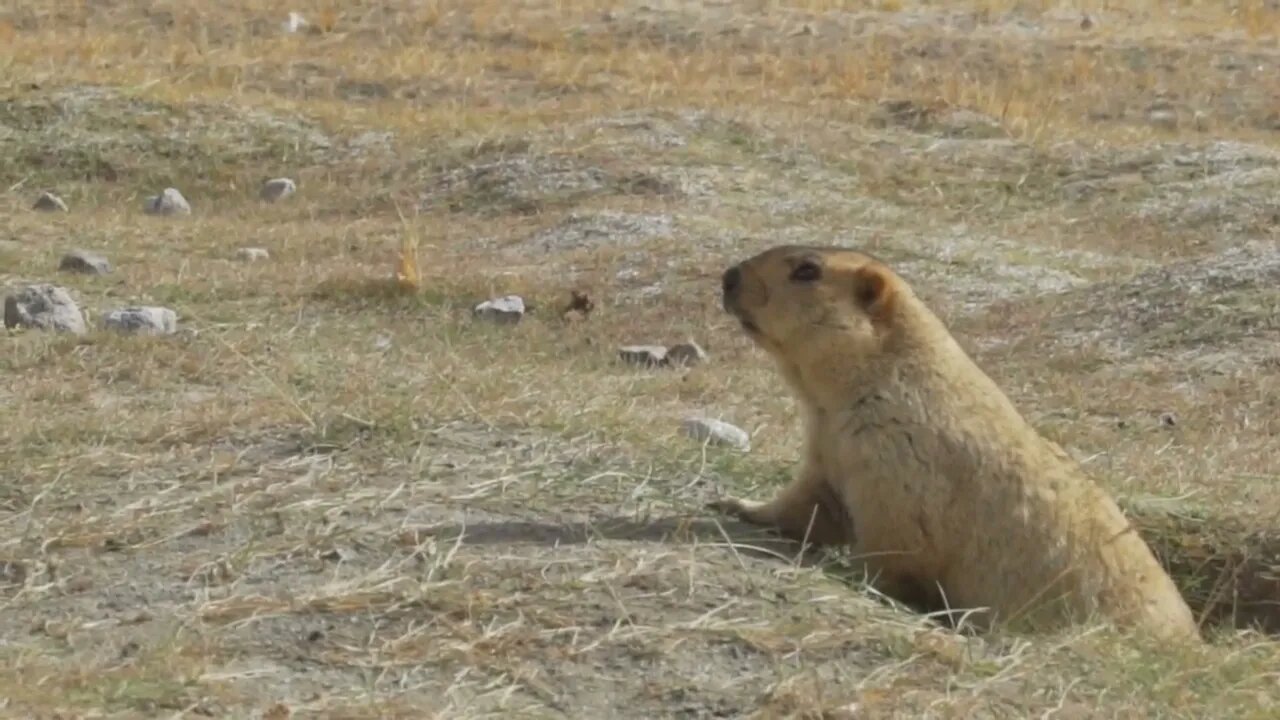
142,320
43,307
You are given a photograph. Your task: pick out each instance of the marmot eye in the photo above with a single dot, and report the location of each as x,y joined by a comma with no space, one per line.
806,272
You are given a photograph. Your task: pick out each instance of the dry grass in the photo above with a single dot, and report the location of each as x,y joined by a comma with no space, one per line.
334,494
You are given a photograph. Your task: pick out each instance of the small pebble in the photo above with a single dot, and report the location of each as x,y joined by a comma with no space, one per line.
294,23
716,432
643,355
680,354
252,254
1163,118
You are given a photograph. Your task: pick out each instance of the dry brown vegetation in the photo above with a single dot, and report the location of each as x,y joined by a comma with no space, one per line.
330,496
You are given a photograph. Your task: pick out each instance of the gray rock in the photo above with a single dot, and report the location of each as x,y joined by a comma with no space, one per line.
506,309
277,189
644,355
252,254
44,307
169,202
716,432
142,320
48,202
686,353
83,261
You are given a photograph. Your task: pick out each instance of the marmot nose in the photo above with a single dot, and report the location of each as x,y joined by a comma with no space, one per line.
731,280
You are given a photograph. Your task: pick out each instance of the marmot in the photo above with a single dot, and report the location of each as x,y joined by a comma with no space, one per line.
916,458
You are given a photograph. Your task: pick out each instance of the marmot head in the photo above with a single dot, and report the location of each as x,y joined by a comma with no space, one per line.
809,305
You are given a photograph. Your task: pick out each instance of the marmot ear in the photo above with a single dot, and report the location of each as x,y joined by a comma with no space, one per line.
872,289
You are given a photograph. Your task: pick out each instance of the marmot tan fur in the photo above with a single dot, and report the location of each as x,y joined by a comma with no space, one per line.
916,458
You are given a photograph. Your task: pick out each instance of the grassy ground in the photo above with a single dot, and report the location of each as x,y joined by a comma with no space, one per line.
327,498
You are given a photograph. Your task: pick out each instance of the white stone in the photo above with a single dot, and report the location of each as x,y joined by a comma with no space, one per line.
716,432
685,353
294,23
509,308
252,254
644,355
169,202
